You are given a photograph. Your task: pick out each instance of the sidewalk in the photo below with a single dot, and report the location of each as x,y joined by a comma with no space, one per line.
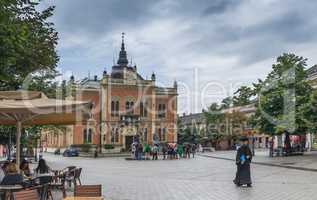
307,162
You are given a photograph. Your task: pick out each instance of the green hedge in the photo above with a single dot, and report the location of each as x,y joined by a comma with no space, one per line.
108,146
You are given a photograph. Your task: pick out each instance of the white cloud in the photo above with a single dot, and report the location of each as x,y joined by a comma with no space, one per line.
229,42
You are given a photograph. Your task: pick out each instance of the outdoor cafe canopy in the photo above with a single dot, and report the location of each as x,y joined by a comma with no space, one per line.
22,108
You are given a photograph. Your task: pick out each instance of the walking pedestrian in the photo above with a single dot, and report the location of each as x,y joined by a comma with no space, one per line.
164,151
193,150
147,151
243,160
174,153
187,151
180,151
154,152
133,150
140,151
169,151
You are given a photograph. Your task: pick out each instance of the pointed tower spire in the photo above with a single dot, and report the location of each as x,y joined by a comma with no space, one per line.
123,60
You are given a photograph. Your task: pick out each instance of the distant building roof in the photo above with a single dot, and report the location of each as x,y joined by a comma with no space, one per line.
192,119
312,72
243,109
89,83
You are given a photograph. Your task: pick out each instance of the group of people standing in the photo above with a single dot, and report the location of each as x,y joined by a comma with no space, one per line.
165,151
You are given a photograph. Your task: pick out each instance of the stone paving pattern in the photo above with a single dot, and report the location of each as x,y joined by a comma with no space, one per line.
308,160
200,178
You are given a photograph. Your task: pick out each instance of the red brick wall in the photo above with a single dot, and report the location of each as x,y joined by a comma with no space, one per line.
123,92
92,96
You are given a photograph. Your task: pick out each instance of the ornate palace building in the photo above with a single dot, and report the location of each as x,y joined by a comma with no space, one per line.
126,106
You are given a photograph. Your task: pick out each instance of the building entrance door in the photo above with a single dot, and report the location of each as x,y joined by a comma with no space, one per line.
128,142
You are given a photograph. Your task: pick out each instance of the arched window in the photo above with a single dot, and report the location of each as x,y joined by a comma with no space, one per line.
129,107
87,136
114,135
162,134
161,111
117,108
114,108
143,109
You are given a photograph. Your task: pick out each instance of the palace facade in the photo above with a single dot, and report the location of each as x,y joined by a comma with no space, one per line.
125,106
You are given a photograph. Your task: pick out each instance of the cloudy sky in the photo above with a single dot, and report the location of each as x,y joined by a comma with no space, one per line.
210,47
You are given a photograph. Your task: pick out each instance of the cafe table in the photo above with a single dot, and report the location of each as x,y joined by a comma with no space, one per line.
84,198
8,189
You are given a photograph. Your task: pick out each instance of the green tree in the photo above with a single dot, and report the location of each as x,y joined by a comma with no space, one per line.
283,98
226,103
189,135
214,123
27,43
310,111
235,123
213,115
223,125
243,96
28,56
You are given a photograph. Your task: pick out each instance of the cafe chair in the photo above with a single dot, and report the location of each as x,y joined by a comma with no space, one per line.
26,195
59,183
77,176
45,183
74,177
87,191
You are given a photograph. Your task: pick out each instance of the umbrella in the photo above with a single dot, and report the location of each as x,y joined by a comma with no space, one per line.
22,108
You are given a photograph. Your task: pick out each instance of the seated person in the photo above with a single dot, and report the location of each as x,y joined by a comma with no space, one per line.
12,176
42,168
25,168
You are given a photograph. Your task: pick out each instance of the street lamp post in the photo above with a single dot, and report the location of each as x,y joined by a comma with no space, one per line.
253,148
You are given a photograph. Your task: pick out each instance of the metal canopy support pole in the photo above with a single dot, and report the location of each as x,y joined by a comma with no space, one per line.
18,143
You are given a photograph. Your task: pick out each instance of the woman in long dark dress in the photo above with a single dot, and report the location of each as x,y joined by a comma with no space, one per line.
243,160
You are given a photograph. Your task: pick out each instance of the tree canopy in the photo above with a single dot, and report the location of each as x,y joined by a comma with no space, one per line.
226,103
242,96
27,44
28,55
284,98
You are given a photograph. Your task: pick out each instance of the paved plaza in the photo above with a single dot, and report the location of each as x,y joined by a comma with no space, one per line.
200,178
308,161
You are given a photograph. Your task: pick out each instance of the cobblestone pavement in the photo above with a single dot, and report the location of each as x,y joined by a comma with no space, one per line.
200,178
307,161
